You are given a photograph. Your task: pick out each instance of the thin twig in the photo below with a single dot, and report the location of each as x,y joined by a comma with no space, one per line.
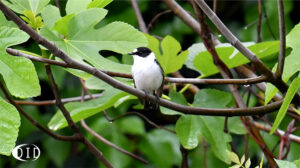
281,56
258,28
115,83
184,154
155,18
51,102
259,65
102,139
139,17
178,79
33,121
71,123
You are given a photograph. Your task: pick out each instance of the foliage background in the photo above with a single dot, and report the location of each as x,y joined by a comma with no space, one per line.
161,148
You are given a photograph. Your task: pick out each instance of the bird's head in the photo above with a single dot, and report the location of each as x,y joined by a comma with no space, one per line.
141,52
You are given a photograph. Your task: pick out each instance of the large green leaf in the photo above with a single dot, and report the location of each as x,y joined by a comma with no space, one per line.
76,6
203,61
285,164
190,128
291,64
99,3
162,148
18,73
82,110
168,57
293,89
19,6
9,126
83,41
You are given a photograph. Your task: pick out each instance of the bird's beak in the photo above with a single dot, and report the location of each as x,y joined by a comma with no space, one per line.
132,53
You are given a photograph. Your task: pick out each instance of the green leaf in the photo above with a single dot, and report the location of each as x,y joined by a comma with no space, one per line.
169,59
286,102
248,163
297,163
188,132
235,126
18,73
131,125
99,3
212,98
285,164
291,63
203,61
234,157
84,42
82,110
162,148
76,6
33,21
58,151
9,126
177,98
60,25
19,6
50,15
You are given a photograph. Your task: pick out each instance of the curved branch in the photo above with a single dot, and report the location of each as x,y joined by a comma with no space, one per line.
260,66
247,81
116,84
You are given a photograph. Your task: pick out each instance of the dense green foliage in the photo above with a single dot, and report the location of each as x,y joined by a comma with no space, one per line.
83,30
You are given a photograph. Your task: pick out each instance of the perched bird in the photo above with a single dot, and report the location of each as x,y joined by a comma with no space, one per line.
147,74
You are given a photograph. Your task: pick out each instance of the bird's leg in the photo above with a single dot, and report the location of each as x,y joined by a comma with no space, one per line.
156,100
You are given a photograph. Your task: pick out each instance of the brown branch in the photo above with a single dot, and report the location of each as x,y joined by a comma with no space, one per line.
115,83
259,65
71,123
281,55
178,79
51,102
183,15
155,18
184,154
34,122
258,28
102,139
57,4
279,132
139,17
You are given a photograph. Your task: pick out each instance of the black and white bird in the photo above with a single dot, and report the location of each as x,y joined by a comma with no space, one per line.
147,73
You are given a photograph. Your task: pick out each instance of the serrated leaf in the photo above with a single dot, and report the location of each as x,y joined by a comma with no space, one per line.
99,3
234,157
82,110
243,159
285,164
19,6
293,89
9,126
18,73
33,21
291,63
177,98
188,132
84,42
203,61
248,163
168,58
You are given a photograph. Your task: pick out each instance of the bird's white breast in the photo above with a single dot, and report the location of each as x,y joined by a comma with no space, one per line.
146,73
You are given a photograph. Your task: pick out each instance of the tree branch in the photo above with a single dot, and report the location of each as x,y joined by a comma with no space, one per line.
71,123
115,83
102,139
258,28
139,17
260,66
34,122
281,55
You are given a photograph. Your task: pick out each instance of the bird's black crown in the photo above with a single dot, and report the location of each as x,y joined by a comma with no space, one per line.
141,51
